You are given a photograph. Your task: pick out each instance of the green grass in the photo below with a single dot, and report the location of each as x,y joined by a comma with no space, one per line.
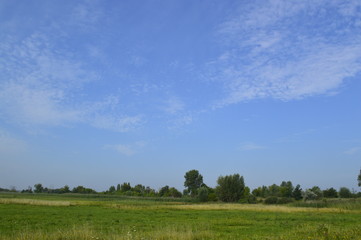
56,217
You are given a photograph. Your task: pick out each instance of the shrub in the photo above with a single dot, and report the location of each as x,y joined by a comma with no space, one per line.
271,200
203,194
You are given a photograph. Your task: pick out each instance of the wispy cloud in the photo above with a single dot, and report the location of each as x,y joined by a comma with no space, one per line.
42,86
173,105
352,150
126,149
287,50
250,147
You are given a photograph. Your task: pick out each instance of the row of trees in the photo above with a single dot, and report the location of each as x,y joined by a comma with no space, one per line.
230,188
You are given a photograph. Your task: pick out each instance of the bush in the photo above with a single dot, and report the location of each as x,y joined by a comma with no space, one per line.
271,200
230,188
203,194
284,200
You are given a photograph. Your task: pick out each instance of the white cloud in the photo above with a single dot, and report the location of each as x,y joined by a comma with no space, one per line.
41,86
173,105
353,150
250,147
286,50
126,149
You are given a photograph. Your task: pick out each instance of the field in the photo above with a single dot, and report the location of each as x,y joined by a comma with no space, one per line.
60,217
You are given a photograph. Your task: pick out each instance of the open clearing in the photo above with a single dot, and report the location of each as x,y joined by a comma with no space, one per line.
101,217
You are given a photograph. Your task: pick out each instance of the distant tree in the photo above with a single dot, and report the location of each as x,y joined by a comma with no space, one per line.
317,191
173,192
330,193
193,181
345,192
261,192
28,190
111,189
125,187
83,190
286,189
274,190
163,191
297,192
203,194
38,188
230,188
359,179
309,195
118,187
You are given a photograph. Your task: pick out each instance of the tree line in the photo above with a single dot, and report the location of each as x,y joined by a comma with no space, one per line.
230,188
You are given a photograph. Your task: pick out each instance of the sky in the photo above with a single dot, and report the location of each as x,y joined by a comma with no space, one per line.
97,93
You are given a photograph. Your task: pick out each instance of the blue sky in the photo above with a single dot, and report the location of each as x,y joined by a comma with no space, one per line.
97,93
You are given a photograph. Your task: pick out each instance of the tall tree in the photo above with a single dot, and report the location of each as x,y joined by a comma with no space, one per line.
359,179
230,188
38,188
193,181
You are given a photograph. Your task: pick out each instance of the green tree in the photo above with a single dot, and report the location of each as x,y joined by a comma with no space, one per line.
163,192
125,187
359,179
286,189
345,192
330,193
173,192
38,188
111,189
193,181
297,192
230,188
316,190
118,187
203,194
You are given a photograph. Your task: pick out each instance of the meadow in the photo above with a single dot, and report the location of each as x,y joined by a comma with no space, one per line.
60,217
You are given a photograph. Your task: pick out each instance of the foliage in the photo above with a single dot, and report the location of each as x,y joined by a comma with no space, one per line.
193,181
297,192
330,193
83,190
345,192
230,188
359,179
271,200
125,187
38,188
203,194
286,189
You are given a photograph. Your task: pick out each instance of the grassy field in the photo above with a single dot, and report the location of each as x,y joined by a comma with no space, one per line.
57,217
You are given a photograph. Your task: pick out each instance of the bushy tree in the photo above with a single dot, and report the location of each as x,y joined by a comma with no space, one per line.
38,188
345,192
309,195
316,190
163,191
286,189
297,192
261,192
203,194
274,190
193,181
230,188
125,187
330,193
111,189
359,179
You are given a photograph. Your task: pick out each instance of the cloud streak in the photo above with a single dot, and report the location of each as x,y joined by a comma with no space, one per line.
286,51
42,86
